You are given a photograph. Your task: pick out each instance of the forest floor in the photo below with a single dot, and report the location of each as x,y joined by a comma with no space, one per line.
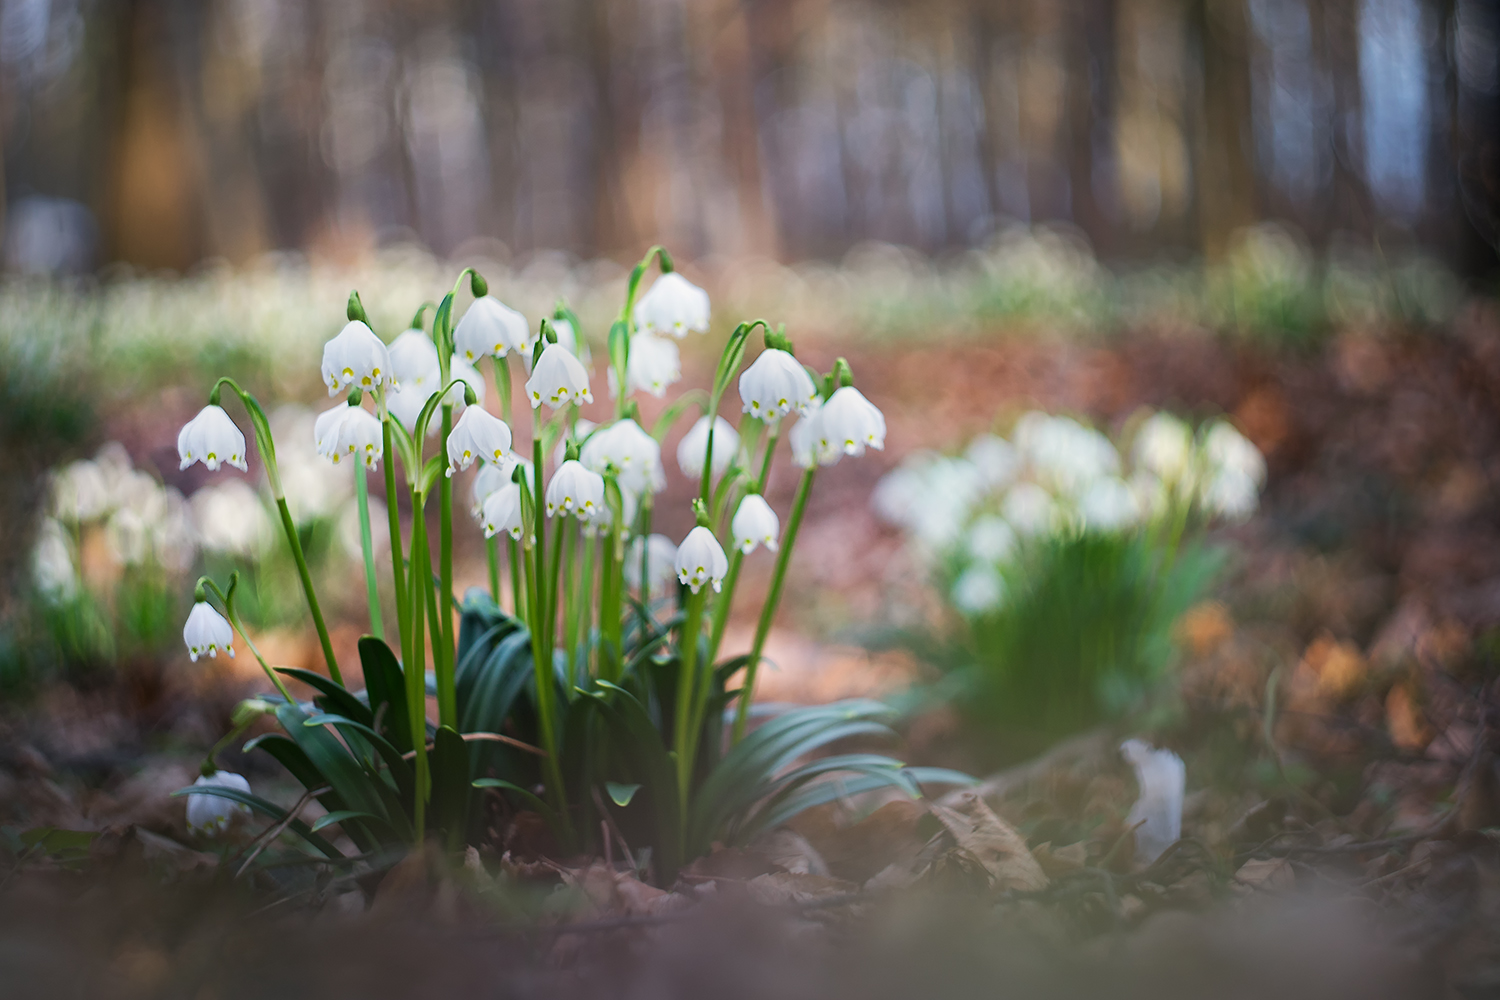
1338,711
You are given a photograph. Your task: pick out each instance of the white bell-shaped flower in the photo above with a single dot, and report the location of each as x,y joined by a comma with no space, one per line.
979,589
701,559
567,337
754,523
468,375
654,364
775,385
414,360
629,453
348,432
660,556
357,358
1164,445
490,477
207,631
575,489
210,814
694,445
1227,450
672,305
501,511
847,424
490,327
1109,504
1156,816
478,434
211,438
991,539
558,379
803,437
1029,509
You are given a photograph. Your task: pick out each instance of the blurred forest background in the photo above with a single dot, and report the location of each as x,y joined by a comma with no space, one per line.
162,132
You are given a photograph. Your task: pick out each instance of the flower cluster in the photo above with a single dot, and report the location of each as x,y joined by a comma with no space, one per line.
1057,476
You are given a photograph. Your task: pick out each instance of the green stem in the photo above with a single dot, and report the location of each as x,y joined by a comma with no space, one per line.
517,590
447,704
367,549
502,385
584,614
443,660
540,639
492,559
726,597
393,516
768,611
684,735
568,596
234,619
416,668
609,581
307,587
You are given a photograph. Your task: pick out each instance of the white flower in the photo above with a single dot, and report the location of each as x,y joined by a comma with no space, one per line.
694,445
654,364
467,374
1109,504
661,564
997,460
700,559
991,538
1231,495
604,516
672,305
52,562
627,451
348,431
754,523
1157,814
501,511
775,385
414,361
1164,445
207,631
581,430
1227,450
208,814
231,518
846,425
211,438
1066,454
979,589
1029,509
491,327
356,357
567,337
478,434
575,489
559,379
803,438
492,476
80,492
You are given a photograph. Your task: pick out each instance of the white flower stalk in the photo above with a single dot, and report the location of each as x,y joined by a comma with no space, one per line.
490,327
1164,445
701,559
979,590
348,432
478,434
209,814
357,358
673,305
661,565
1157,814
559,379
629,453
211,438
207,631
501,511
575,489
847,424
694,445
775,385
754,523
654,364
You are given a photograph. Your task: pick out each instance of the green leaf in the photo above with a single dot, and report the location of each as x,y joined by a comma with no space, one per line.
351,783
265,808
323,822
450,785
621,794
530,798
339,699
385,685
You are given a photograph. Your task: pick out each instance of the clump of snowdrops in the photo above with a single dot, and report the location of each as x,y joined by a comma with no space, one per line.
590,689
1067,559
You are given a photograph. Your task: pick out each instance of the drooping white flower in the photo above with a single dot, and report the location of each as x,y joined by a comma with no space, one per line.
701,559
1029,509
627,451
414,360
1066,455
348,432
979,589
575,489
997,460
1227,450
661,564
991,539
80,492
478,434
559,379
501,511
1231,495
1164,445
211,438
490,327
847,424
694,445
356,357
231,518
210,814
654,364
1109,504
672,305
1157,814
600,520
490,477
567,337
803,437
207,631
52,563
775,385
754,523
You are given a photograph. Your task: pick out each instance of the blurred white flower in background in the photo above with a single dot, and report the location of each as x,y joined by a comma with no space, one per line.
347,529
673,305
992,539
979,589
52,567
1164,446
231,518
996,459
754,523
1109,504
1157,814
633,456
1029,509
314,488
661,564
501,511
694,446
654,364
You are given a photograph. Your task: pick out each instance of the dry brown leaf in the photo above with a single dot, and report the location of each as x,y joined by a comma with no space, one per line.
1404,720
788,888
791,851
1057,861
1265,873
1205,627
1339,666
991,842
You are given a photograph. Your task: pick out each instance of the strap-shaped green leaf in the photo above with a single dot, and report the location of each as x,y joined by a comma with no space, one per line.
265,808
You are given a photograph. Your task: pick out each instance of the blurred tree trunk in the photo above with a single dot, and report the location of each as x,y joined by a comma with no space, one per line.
1091,76
1224,160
